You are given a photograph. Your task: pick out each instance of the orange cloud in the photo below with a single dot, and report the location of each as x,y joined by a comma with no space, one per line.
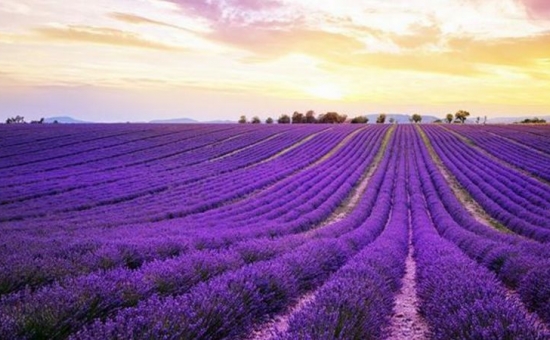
273,43
520,52
101,35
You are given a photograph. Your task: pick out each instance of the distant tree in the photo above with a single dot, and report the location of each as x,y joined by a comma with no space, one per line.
342,119
297,118
332,118
477,120
40,121
533,121
360,120
462,115
269,120
438,121
16,120
283,119
449,118
484,120
381,119
256,120
55,122
310,117
391,120
242,120
416,118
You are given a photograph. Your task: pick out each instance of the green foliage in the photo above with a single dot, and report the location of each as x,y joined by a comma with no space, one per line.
16,120
462,115
533,121
269,120
283,119
381,119
360,120
256,120
332,118
298,118
310,117
41,121
242,120
416,118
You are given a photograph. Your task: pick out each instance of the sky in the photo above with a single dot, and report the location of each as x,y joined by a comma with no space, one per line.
139,60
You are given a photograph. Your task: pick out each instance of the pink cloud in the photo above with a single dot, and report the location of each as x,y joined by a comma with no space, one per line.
202,8
538,9
215,10
254,5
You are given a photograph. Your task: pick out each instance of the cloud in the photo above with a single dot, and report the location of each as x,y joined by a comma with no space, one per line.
211,10
229,12
418,36
100,35
538,9
275,43
139,20
436,63
338,40
517,51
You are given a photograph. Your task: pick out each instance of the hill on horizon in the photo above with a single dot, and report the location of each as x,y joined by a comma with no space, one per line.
64,120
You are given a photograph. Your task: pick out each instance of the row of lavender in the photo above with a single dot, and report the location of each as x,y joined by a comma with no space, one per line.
230,305
347,163
459,298
41,263
238,263
527,152
518,201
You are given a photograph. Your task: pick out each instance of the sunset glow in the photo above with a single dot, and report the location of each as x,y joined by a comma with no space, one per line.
137,60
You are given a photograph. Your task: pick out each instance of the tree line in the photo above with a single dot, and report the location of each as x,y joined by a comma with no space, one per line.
535,120
21,120
310,118
300,118
336,118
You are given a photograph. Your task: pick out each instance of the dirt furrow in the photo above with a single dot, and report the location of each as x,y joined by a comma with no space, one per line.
475,210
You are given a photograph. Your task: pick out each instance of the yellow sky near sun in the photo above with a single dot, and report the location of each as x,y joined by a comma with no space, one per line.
356,54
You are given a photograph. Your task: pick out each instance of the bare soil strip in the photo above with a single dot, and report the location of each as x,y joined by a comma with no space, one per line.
279,324
494,158
406,322
477,212
351,201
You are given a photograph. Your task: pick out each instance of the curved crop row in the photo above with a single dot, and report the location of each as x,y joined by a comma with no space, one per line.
512,153
513,213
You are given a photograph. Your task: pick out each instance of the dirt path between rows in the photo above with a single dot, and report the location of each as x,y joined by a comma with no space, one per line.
406,322
475,210
279,323
351,201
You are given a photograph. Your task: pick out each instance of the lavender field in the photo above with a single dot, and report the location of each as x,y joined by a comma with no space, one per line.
348,231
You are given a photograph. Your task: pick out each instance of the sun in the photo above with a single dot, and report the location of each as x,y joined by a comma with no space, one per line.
326,91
